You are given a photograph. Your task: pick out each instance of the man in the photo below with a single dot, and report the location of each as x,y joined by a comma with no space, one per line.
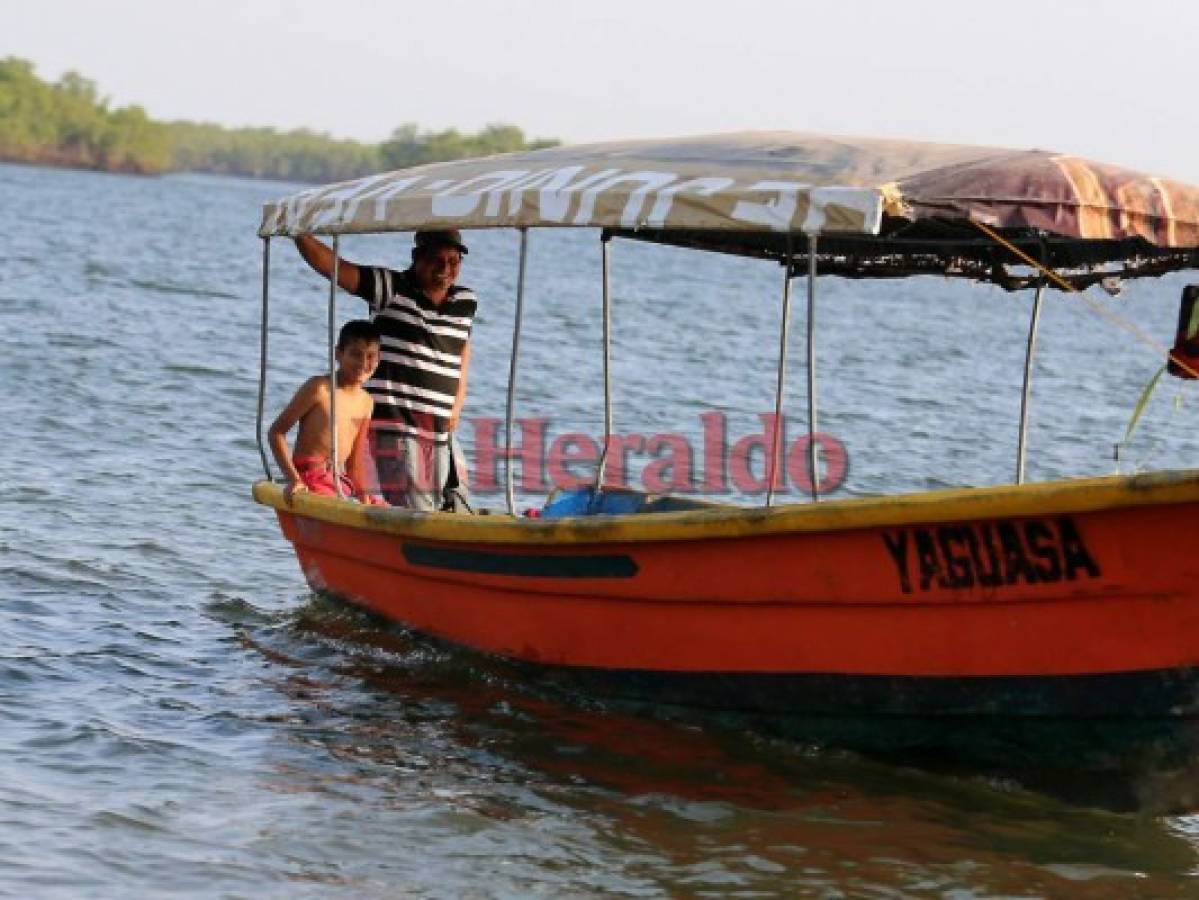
425,321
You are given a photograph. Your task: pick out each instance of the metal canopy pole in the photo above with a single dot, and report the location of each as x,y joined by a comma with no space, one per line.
333,370
266,278
815,474
603,461
520,305
1022,442
784,332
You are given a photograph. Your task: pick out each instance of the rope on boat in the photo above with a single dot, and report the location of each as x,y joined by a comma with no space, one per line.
1112,318
1101,310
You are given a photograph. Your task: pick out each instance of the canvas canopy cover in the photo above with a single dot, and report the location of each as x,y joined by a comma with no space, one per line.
879,207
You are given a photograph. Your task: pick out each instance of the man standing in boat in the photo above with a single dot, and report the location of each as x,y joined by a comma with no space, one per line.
425,320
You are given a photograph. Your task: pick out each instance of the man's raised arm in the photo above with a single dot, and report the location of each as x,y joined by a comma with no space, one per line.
320,258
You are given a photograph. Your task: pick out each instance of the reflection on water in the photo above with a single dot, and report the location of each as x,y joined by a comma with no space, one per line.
663,797
1146,766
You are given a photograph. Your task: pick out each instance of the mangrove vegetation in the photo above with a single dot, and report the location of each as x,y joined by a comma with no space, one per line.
68,123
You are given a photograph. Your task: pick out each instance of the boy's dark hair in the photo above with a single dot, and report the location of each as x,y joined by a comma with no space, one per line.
357,330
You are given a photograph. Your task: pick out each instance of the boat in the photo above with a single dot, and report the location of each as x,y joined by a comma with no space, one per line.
1075,599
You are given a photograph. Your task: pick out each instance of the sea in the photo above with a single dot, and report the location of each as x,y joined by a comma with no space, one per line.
181,716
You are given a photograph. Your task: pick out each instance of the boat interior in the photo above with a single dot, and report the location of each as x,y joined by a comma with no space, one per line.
588,501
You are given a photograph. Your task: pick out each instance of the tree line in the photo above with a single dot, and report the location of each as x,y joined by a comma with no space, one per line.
68,123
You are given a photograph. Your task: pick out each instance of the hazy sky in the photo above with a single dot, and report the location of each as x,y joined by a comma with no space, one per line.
1111,79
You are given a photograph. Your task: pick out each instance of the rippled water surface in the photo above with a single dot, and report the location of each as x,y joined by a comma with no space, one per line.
181,716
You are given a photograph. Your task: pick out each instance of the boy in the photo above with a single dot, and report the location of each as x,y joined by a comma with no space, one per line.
308,467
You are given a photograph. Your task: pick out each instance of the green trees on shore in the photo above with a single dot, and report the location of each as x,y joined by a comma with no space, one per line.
408,146
68,123
299,155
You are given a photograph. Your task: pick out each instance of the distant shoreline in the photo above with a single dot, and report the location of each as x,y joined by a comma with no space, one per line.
172,173
68,124
63,161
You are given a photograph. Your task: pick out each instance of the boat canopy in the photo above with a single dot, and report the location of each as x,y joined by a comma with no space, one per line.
883,208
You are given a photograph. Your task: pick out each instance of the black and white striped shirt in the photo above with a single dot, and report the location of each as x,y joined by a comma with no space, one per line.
420,357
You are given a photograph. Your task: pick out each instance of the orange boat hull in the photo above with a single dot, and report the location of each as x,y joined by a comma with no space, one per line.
995,600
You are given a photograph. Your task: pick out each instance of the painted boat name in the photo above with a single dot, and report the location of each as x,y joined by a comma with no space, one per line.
993,554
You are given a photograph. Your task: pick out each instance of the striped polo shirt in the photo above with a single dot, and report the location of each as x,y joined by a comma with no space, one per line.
420,357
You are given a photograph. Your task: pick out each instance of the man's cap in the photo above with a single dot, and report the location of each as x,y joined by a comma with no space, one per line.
450,237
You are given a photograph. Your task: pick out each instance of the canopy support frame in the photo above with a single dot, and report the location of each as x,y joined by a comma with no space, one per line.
334,456
776,439
511,408
1026,393
262,354
601,467
813,471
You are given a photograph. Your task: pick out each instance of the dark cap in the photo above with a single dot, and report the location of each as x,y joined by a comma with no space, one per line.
450,237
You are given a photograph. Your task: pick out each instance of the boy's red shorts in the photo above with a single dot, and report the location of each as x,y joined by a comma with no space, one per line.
317,475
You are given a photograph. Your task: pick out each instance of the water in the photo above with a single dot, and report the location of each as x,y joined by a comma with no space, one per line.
182,717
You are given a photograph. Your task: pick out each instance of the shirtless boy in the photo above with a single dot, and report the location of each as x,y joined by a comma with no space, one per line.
307,467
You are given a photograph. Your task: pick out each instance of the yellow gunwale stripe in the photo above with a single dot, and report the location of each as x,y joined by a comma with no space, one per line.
958,504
